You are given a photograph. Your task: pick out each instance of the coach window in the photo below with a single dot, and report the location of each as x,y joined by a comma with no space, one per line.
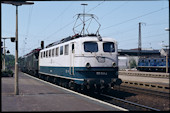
44,54
61,50
57,51
142,61
66,48
108,47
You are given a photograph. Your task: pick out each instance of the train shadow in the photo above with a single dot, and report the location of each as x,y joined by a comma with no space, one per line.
120,93
117,92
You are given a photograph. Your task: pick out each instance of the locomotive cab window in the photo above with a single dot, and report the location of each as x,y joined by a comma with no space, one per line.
90,47
72,48
108,47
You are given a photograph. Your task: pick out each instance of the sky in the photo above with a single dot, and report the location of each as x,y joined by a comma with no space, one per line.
54,20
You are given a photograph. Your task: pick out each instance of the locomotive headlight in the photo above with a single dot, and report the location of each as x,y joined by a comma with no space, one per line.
113,64
88,65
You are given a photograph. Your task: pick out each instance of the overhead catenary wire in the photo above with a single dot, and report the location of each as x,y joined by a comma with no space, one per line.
145,37
96,6
114,9
66,25
133,18
72,21
57,17
28,28
59,29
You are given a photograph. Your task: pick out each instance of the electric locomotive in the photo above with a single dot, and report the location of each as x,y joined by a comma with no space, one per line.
29,62
86,61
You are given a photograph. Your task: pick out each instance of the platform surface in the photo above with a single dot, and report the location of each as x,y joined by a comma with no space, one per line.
35,95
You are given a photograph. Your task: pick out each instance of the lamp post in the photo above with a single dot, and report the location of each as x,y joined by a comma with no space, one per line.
17,3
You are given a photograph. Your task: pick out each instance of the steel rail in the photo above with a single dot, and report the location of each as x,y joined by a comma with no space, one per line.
132,103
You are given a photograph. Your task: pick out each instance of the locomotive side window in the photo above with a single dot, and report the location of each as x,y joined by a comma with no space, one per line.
57,51
41,55
108,47
47,53
90,47
61,50
44,53
52,52
66,49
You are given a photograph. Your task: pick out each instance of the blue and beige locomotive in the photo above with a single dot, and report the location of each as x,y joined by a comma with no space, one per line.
86,61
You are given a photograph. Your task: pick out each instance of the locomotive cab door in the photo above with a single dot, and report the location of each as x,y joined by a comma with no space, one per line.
71,68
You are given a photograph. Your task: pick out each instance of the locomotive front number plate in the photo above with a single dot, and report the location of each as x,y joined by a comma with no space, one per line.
101,73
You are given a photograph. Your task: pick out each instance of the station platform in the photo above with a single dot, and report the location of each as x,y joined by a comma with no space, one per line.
38,95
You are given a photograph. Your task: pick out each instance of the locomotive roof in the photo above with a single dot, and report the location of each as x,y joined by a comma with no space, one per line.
33,51
69,38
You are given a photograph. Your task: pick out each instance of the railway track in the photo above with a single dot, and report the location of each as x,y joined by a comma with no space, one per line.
130,105
139,90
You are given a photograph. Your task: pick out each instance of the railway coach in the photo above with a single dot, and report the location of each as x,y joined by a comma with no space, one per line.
154,64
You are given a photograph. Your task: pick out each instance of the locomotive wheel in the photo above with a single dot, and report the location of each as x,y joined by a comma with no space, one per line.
77,87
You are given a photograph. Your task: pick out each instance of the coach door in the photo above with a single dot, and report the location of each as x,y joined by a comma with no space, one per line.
71,69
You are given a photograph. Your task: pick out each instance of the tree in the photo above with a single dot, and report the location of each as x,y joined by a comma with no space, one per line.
132,63
9,61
